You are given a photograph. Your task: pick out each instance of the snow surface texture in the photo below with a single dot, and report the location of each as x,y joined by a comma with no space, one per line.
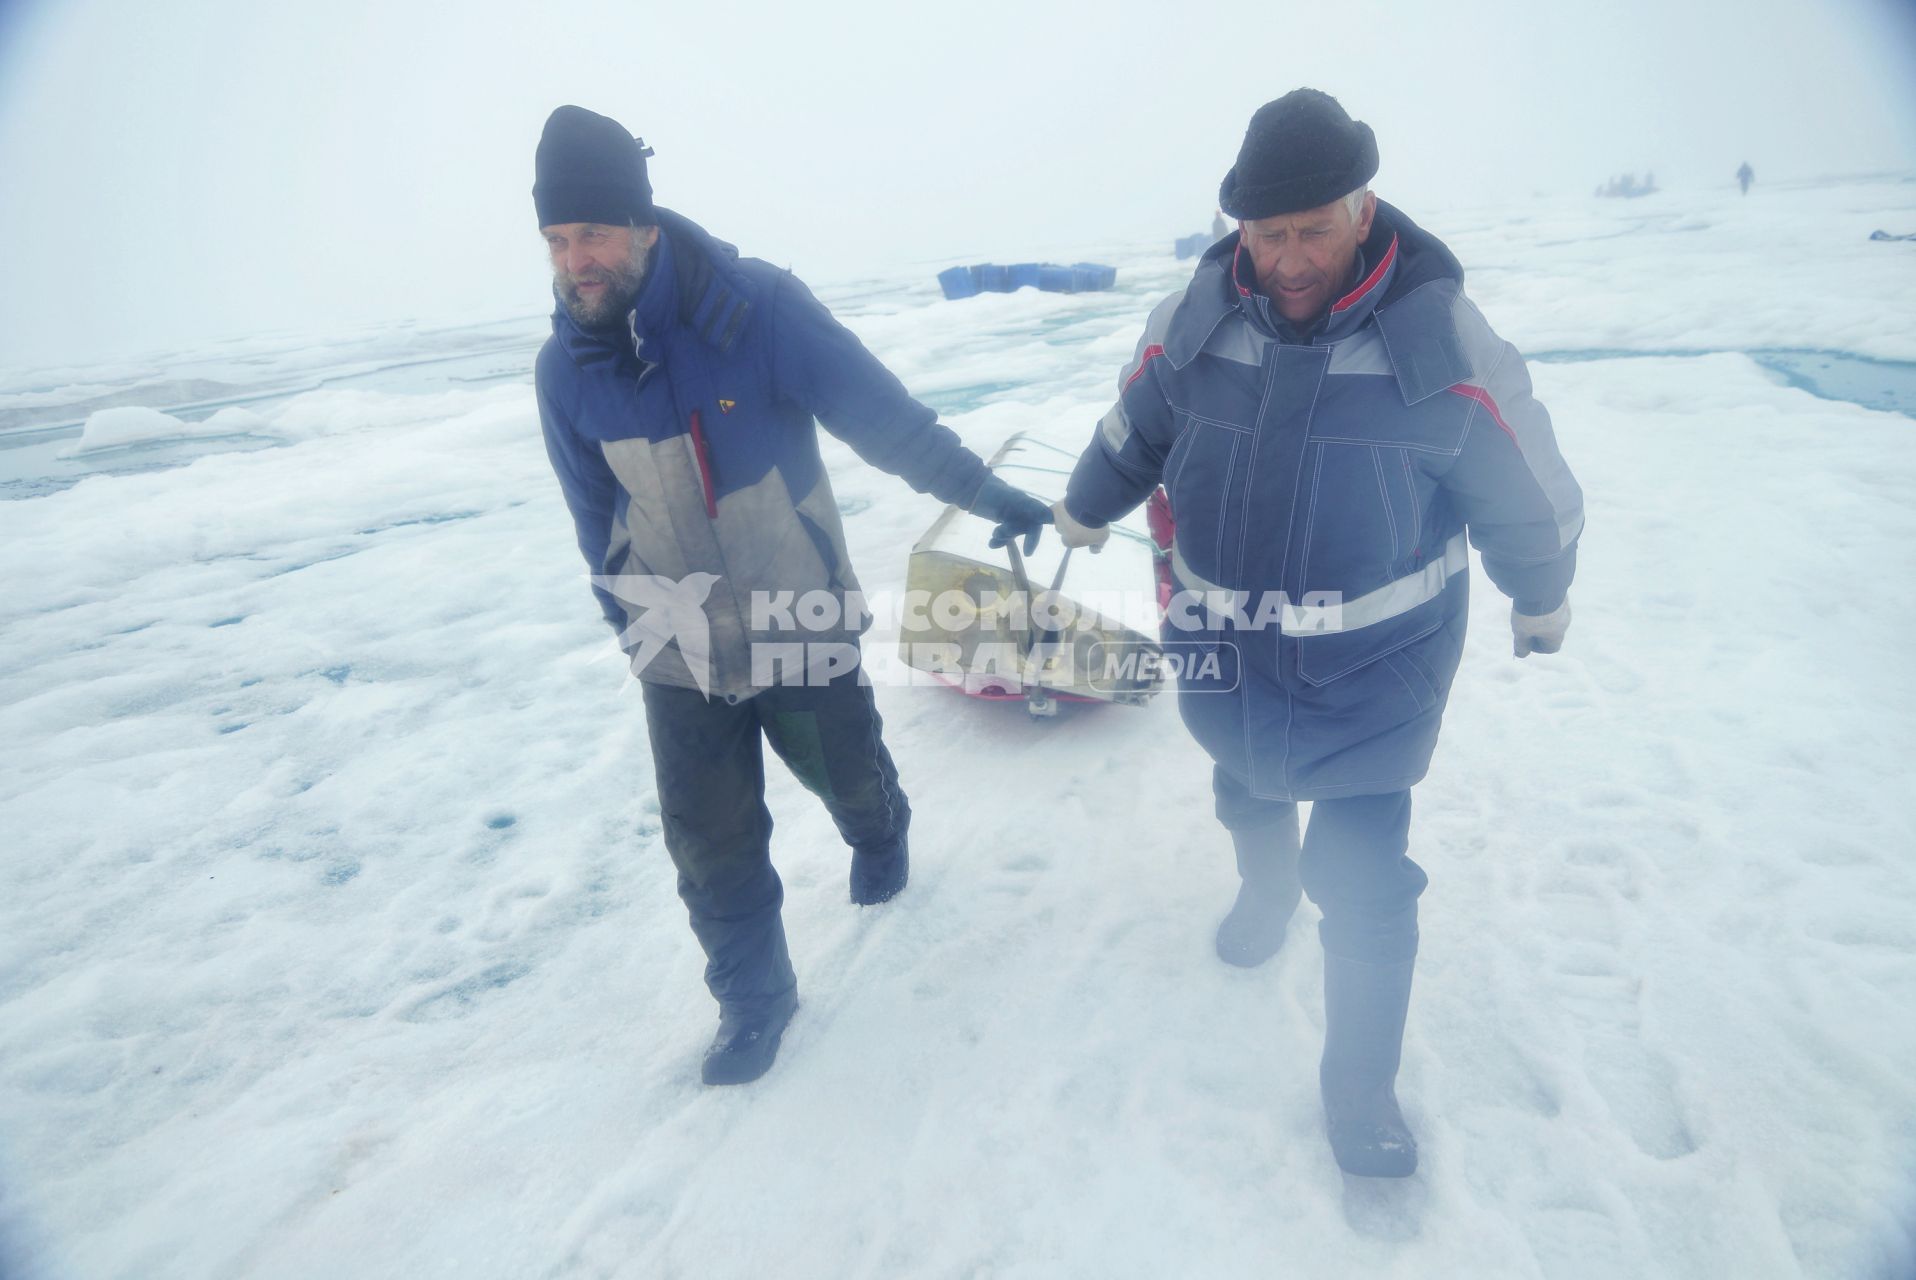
337,937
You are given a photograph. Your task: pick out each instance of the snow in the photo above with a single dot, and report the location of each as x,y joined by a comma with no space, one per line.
133,425
337,936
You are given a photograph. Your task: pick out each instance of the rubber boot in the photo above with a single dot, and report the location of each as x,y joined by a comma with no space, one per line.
1364,1008
748,970
1254,929
878,874
747,1042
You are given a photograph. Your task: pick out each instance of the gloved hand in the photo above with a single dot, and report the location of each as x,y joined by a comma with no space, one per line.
1539,633
1016,513
1073,534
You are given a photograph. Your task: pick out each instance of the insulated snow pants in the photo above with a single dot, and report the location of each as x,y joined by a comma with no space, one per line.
1353,864
711,779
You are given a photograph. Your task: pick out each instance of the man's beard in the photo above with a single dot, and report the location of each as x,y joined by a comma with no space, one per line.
622,285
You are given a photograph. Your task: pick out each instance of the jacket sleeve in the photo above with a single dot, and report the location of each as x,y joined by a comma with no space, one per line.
591,491
1515,492
821,366
1125,459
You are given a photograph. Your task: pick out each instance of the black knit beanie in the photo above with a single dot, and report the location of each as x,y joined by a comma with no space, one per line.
1300,152
589,169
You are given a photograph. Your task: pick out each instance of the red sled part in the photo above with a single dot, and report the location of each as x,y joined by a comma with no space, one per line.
1157,514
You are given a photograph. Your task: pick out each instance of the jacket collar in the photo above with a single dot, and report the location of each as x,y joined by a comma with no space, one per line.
1375,269
1415,314
654,314
1399,257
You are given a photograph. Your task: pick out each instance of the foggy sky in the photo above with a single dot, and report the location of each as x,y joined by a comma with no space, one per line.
188,169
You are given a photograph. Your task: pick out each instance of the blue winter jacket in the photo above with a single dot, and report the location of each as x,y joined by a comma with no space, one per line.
685,444
1342,470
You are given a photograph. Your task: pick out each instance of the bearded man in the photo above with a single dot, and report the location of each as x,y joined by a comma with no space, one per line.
678,394
1329,415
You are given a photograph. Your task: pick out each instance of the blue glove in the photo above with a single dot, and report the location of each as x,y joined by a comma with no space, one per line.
1015,513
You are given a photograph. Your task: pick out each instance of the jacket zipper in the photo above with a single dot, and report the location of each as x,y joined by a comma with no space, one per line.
705,467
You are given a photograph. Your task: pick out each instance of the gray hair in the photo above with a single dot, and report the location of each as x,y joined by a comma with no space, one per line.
1354,202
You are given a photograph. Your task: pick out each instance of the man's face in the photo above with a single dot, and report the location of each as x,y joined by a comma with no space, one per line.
599,269
1303,259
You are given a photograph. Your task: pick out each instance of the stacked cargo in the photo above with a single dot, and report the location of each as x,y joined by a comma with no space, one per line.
988,277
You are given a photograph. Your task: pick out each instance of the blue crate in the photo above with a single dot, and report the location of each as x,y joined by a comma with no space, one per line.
1092,276
958,282
1056,279
990,277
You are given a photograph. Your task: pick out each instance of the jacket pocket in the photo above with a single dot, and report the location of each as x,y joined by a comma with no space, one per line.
1416,678
1199,475
1334,655
1418,652
1353,537
827,555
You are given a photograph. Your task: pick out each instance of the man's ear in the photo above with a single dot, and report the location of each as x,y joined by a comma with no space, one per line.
1365,216
645,237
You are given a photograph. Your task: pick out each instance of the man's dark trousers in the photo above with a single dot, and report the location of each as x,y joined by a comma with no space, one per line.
711,780
1353,864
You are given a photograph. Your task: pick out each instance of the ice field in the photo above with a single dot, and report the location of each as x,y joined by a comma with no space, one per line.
337,938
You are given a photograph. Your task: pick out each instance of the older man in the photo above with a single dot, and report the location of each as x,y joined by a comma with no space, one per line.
677,395
1329,415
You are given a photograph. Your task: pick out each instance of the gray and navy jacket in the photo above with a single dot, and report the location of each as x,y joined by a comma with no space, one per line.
685,443
1345,465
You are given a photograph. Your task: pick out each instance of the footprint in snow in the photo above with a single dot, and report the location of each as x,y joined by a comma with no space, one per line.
462,997
1594,985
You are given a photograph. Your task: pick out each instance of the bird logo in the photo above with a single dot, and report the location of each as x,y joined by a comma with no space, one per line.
726,406
671,611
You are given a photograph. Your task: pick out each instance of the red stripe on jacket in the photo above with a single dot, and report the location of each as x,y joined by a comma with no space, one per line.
1155,349
1482,397
1370,281
705,467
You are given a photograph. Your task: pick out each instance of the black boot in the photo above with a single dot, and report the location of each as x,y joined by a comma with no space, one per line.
745,1045
1255,927
879,873
1364,1008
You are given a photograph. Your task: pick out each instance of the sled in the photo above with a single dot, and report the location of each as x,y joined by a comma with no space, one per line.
1054,626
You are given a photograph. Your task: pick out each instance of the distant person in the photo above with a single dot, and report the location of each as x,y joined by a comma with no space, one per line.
1745,176
1331,415
677,395
1218,229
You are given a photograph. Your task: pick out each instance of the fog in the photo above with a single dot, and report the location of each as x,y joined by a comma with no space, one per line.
211,168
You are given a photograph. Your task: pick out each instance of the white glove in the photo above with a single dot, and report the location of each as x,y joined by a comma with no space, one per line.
1073,534
1541,633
